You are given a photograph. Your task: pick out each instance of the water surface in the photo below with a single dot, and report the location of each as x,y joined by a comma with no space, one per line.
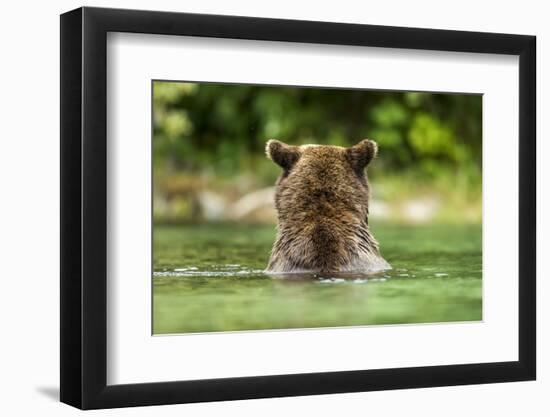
210,278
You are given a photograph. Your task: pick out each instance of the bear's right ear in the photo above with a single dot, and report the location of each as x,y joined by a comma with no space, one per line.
361,154
282,154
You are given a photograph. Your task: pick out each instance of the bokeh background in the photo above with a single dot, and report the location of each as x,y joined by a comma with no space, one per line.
209,162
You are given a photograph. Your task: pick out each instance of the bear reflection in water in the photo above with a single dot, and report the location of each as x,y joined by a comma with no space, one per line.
322,202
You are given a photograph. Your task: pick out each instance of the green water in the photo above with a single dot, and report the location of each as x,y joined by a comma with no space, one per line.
209,278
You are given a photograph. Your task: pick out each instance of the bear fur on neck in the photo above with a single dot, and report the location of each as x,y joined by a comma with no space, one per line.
322,202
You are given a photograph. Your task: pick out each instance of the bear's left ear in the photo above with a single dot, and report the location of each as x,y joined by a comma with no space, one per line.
361,154
282,154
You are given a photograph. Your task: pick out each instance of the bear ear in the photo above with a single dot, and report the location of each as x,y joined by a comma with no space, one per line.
282,154
361,154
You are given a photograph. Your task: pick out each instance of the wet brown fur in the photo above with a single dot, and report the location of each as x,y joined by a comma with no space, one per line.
322,202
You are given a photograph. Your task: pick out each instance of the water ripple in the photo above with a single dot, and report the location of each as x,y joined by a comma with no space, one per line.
237,270
217,271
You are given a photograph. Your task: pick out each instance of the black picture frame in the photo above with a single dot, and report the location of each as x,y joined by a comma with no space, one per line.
84,207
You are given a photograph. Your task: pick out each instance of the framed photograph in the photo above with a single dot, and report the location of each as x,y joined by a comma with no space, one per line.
258,208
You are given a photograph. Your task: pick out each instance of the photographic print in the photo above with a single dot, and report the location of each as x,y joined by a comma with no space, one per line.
361,188
290,207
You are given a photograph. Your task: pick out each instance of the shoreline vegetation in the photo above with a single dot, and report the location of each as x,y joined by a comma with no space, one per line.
188,199
209,162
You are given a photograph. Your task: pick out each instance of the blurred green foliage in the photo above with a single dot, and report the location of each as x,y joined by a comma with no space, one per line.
209,140
221,129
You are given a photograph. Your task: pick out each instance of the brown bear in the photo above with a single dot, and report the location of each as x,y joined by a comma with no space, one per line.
322,202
